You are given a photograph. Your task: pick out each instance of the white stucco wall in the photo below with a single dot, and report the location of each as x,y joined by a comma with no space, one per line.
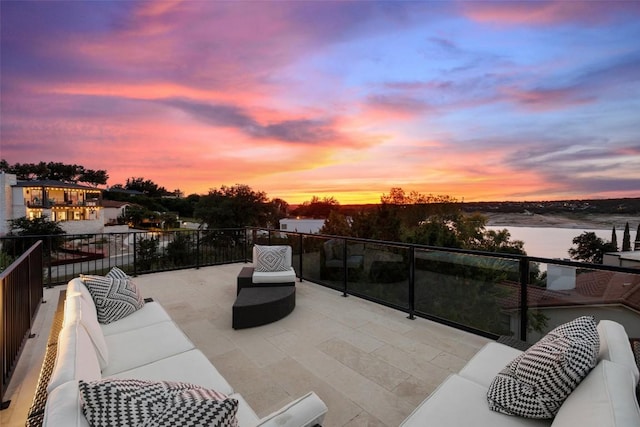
6,201
301,225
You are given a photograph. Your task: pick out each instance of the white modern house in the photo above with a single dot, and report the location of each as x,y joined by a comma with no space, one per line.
301,225
78,208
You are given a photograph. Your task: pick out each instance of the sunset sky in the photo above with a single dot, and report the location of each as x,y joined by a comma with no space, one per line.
479,100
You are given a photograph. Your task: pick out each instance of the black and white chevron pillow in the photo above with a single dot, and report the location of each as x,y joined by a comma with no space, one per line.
271,258
113,298
117,273
131,402
536,383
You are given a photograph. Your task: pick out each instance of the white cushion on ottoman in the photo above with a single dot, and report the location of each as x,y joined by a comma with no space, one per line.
274,276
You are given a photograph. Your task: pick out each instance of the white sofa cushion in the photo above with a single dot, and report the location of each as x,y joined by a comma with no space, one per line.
461,402
149,314
191,367
614,346
75,287
75,358
134,402
63,407
606,398
138,347
77,308
536,383
486,363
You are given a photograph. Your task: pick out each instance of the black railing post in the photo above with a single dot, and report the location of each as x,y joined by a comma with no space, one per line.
345,272
524,281
245,245
412,282
50,259
135,254
198,249
301,250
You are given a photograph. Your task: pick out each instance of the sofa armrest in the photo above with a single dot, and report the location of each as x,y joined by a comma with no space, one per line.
307,411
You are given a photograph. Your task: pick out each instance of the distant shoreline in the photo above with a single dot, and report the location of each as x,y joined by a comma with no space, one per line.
577,221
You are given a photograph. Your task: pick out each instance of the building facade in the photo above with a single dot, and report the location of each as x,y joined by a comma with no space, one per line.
77,208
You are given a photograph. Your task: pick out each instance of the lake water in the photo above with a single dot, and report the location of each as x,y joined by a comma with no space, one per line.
551,242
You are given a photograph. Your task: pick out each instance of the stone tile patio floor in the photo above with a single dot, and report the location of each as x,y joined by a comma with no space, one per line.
370,364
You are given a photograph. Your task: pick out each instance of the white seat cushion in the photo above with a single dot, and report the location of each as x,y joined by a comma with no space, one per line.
486,363
606,398
128,350
274,276
309,410
190,367
461,402
150,313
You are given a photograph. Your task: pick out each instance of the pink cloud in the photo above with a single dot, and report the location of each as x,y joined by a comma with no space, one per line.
546,12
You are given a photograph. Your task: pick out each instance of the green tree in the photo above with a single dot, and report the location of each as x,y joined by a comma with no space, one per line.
614,238
626,238
147,253
181,251
41,228
146,186
233,207
589,248
336,225
317,208
56,171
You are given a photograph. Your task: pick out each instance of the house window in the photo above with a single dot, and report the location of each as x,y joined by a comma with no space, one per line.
283,226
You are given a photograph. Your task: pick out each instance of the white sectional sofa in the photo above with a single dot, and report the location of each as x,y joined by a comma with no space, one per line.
145,345
605,398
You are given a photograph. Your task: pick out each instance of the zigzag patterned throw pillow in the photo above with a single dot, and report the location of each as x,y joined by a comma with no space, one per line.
536,383
271,258
130,402
113,298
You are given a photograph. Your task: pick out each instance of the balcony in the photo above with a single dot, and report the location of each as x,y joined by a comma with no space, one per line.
372,334
369,363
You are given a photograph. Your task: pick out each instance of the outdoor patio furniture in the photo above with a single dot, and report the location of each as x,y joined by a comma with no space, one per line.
256,306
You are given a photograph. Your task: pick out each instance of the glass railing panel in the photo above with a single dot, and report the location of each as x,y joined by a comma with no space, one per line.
563,292
467,289
379,272
319,261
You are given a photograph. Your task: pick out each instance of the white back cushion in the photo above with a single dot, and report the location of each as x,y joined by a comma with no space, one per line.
78,309
64,408
614,346
605,398
76,357
287,257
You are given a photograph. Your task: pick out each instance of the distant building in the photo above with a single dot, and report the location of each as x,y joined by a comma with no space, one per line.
78,208
622,259
301,225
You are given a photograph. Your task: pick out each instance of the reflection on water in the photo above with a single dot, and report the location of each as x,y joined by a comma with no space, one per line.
551,242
